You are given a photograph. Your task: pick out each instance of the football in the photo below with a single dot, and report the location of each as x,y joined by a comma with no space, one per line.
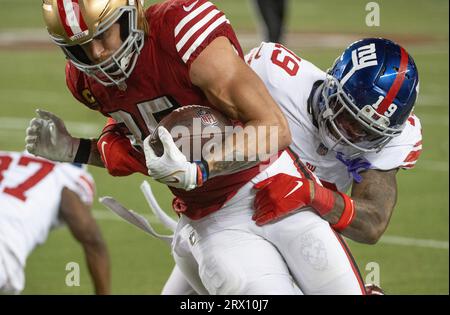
195,130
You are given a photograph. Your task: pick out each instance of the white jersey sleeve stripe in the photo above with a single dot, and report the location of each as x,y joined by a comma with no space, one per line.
195,28
191,16
203,36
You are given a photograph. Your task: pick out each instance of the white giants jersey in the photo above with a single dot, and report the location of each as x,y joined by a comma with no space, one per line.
30,196
290,81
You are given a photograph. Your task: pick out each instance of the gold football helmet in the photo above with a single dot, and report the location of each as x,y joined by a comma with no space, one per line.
72,23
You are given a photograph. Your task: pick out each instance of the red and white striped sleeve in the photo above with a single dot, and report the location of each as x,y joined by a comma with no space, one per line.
86,188
196,24
414,154
402,151
79,180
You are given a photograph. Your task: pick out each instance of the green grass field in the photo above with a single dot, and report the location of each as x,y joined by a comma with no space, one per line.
34,78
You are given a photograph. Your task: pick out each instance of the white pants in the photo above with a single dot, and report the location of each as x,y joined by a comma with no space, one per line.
227,253
12,276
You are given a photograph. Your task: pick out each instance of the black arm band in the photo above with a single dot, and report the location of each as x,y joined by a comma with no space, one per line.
83,152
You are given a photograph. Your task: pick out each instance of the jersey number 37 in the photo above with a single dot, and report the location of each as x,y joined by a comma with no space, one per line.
19,191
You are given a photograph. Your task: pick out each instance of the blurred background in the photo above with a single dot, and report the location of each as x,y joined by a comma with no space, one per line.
413,254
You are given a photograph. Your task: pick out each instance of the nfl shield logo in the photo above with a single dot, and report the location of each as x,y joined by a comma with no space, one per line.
207,118
322,149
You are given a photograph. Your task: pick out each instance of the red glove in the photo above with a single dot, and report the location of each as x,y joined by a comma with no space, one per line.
283,194
118,155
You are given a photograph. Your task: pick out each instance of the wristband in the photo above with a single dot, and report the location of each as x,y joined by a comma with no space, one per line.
323,201
83,152
203,171
347,215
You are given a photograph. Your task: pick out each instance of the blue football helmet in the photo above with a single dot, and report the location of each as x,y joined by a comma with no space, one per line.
367,97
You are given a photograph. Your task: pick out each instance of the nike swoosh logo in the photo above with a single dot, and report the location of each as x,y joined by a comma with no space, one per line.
173,180
103,152
299,185
189,8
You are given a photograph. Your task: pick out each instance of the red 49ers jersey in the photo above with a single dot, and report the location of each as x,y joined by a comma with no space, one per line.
179,31
160,82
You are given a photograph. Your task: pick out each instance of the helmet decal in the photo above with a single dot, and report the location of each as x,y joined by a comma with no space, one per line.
72,19
386,104
73,23
389,111
363,57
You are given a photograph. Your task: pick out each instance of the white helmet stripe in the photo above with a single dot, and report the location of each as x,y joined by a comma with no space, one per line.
71,18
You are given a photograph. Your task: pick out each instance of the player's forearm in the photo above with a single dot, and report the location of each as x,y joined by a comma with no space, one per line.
264,133
243,149
233,88
99,266
95,158
369,222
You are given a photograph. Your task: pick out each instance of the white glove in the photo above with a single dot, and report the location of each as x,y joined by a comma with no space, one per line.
172,168
47,136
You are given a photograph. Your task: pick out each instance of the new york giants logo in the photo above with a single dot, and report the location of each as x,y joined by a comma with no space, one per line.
363,57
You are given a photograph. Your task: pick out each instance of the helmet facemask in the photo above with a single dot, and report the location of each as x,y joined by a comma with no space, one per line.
119,66
367,97
345,128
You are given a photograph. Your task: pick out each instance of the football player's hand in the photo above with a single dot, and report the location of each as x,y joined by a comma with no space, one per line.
47,136
279,196
172,168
